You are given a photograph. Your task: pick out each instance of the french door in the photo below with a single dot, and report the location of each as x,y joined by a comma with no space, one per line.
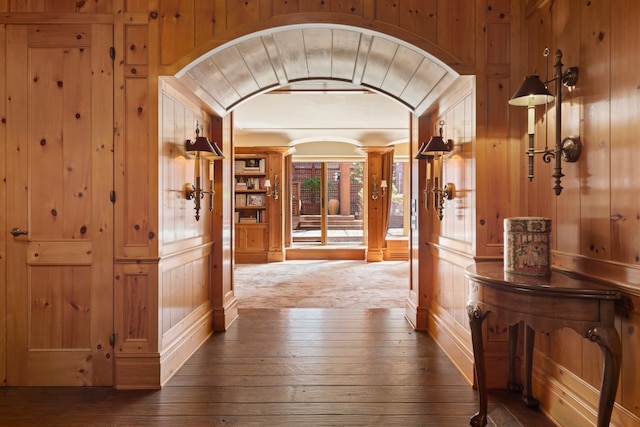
327,203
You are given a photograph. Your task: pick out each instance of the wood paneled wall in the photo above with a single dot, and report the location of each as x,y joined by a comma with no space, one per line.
595,218
4,231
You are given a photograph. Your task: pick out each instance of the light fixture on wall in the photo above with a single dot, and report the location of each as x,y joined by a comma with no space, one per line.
276,186
202,147
534,92
375,193
435,149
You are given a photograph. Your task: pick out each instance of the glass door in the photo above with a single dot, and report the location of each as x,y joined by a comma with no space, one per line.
327,203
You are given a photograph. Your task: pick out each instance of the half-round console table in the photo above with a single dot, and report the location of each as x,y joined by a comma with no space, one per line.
544,304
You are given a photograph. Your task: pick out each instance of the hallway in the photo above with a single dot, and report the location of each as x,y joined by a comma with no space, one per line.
288,367
330,348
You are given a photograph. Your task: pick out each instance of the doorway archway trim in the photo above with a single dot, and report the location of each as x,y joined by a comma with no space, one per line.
259,62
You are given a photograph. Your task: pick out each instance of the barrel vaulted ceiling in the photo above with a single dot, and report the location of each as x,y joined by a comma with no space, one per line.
338,56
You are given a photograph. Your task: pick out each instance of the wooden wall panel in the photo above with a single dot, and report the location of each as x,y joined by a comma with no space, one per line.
136,232
177,21
596,158
282,7
625,108
630,336
225,305
179,117
3,205
417,16
61,6
136,44
206,20
244,13
60,307
451,16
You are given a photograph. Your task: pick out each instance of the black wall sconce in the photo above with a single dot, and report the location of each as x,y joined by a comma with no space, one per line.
375,193
534,92
196,192
435,150
276,187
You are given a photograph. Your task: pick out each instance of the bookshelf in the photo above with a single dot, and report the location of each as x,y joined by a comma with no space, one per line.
249,191
259,220
251,208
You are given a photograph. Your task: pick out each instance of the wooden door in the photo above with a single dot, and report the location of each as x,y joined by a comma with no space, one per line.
59,178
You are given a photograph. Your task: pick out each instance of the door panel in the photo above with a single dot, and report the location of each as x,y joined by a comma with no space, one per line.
59,178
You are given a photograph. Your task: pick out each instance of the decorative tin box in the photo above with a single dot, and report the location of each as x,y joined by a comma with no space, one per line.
527,245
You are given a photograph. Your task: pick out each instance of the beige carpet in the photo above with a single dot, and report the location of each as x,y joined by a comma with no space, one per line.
322,284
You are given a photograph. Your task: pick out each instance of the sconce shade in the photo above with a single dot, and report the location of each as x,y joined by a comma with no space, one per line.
202,144
531,92
422,155
436,145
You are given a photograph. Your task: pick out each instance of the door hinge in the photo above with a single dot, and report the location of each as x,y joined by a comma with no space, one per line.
112,196
112,53
112,339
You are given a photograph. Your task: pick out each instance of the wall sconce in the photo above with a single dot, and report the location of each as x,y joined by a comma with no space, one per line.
435,150
533,92
201,145
374,188
267,186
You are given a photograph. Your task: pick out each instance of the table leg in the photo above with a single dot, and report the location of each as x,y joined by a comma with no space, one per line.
527,395
476,317
609,342
513,385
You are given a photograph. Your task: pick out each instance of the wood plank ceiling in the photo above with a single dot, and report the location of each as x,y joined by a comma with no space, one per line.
264,61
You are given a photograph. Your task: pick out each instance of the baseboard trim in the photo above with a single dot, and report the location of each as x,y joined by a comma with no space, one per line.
181,349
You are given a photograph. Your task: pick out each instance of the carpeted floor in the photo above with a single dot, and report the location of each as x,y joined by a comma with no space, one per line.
322,284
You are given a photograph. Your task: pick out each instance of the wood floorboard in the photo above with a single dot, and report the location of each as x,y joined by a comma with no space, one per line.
294,367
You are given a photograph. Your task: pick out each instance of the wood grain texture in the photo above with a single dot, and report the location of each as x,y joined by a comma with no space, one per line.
287,367
64,278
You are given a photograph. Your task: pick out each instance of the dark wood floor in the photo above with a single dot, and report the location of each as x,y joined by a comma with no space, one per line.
288,367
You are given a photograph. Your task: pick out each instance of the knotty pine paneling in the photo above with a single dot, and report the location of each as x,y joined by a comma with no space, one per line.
595,218
136,6
135,294
283,7
184,287
187,24
630,337
239,14
177,168
177,18
60,307
624,154
136,43
137,233
59,6
4,227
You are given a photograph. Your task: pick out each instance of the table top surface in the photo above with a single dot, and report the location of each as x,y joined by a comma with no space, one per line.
557,283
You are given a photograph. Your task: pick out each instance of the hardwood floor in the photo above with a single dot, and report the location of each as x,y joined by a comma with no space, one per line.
287,367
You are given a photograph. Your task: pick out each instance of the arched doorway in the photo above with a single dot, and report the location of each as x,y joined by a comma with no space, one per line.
242,69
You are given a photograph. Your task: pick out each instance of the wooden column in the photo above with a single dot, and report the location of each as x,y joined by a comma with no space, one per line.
374,207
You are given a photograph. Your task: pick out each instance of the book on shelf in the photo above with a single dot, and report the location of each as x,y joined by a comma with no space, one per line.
241,200
248,220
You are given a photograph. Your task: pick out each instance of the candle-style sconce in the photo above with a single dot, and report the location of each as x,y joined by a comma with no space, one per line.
276,187
534,92
202,147
434,151
375,193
